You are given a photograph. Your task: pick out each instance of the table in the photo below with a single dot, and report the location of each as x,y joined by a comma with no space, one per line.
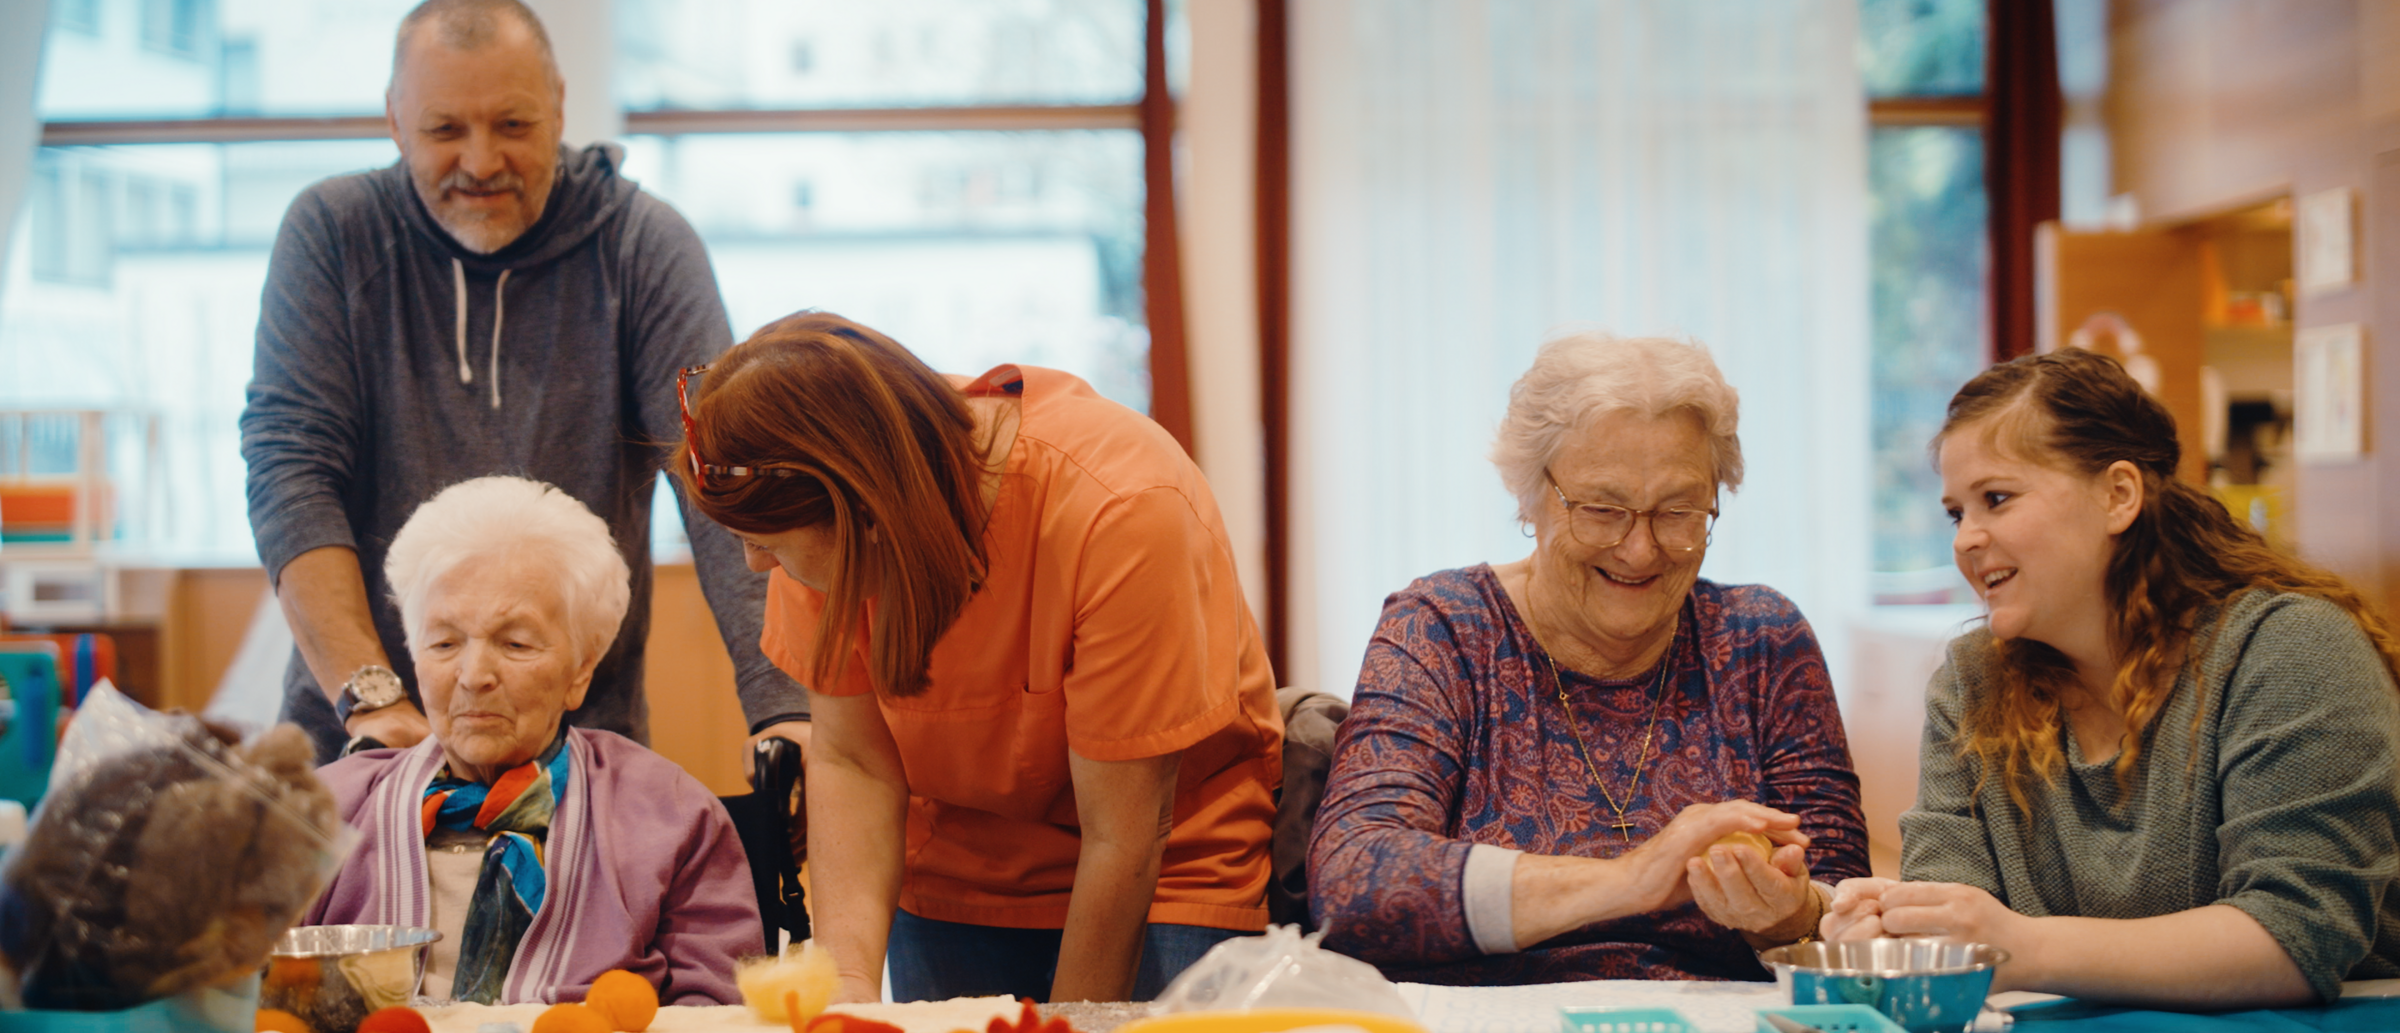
1713,1007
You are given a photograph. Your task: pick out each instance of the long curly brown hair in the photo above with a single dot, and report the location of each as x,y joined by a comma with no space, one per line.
877,445
2183,554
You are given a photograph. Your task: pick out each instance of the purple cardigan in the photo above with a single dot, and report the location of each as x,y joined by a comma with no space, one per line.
1455,738
644,863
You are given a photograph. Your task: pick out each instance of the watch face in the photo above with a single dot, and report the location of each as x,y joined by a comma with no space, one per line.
375,687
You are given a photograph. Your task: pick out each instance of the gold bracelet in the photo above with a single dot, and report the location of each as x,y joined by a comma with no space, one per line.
1810,936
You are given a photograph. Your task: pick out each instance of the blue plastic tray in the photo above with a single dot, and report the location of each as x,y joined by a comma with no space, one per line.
1624,1020
1832,1018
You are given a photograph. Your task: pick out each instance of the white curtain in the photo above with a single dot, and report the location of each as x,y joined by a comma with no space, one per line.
1469,174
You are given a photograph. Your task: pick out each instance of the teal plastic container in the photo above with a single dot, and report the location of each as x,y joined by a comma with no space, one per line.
1832,1018
29,744
1623,1020
231,1009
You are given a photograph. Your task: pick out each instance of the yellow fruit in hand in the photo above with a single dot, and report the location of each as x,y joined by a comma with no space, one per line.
626,1000
1754,840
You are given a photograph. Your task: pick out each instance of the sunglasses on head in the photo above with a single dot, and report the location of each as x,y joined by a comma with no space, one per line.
691,432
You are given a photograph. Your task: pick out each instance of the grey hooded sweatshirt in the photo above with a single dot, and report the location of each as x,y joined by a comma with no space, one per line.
392,363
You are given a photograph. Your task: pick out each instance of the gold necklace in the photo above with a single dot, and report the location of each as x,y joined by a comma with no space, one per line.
1658,697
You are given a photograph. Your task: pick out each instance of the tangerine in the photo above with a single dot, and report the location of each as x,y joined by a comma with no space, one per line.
570,1018
395,1019
276,1020
626,1000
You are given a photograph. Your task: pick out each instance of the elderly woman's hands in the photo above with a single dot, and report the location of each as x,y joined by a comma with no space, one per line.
1552,895
1672,855
1770,899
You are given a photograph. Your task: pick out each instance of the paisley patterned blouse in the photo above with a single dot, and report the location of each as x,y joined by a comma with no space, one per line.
1456,737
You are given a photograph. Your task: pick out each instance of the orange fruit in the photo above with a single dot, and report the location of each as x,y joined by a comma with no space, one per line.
626,1000
395,1020
271,1020
570,1018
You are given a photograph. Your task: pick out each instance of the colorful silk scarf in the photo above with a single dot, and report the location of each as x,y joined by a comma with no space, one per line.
517,808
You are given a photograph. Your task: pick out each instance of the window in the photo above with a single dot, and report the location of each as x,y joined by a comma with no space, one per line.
73,222
174,26
945,223
1929,255
76,15
971,248
965,175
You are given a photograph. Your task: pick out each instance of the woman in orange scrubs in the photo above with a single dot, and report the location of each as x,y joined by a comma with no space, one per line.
1046,744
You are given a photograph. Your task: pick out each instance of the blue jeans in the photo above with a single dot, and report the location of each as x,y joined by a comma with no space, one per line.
934,960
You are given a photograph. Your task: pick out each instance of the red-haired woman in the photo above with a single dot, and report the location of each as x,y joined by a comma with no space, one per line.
2166,770
1046,743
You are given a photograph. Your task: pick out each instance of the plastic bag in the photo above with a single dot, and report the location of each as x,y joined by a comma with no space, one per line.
1281,969
167,858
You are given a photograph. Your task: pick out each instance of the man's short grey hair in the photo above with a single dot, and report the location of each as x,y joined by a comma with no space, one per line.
469,25
1581,376
494,517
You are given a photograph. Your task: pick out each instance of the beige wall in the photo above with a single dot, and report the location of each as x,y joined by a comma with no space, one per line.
695,720
2215,104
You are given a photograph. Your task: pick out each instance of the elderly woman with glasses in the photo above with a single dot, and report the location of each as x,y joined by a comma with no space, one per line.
545,855
1046,736
1550,765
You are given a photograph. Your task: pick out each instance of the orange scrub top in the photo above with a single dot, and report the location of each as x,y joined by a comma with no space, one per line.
1111,623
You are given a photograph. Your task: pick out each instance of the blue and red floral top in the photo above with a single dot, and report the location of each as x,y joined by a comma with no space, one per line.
1456,738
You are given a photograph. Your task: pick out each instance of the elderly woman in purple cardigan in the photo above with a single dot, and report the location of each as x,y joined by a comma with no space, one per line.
1542,757
545,855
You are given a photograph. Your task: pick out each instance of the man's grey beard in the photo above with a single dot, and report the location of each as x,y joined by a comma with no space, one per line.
481,234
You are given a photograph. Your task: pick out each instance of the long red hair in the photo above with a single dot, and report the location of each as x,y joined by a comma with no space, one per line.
886,454
2183,553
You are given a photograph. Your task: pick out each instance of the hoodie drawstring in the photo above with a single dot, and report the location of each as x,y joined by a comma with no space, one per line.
458,277
498,317
466,373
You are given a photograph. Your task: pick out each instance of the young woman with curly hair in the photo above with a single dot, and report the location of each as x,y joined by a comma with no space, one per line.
2166,769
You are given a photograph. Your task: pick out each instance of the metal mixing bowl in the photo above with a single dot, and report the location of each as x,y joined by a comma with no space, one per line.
334,976
1926,985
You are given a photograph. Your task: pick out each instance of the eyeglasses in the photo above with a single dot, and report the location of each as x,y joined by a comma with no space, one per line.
691,432
1601,526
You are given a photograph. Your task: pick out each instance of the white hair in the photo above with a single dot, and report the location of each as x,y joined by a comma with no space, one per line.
502,515
1581,376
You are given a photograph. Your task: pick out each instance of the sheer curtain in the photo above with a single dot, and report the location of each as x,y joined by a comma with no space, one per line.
1469,175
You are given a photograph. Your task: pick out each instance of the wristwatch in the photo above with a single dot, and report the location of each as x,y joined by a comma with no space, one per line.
369,689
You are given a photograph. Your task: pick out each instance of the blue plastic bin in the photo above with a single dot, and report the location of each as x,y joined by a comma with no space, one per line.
231,1009
1624,1020
1832,1018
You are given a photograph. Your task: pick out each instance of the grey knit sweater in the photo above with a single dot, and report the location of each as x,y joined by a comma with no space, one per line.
2283,801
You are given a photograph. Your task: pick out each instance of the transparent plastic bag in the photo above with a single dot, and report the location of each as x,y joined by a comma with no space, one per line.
1281,969
167,857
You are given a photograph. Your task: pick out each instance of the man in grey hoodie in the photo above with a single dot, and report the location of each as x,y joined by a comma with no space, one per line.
492,304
